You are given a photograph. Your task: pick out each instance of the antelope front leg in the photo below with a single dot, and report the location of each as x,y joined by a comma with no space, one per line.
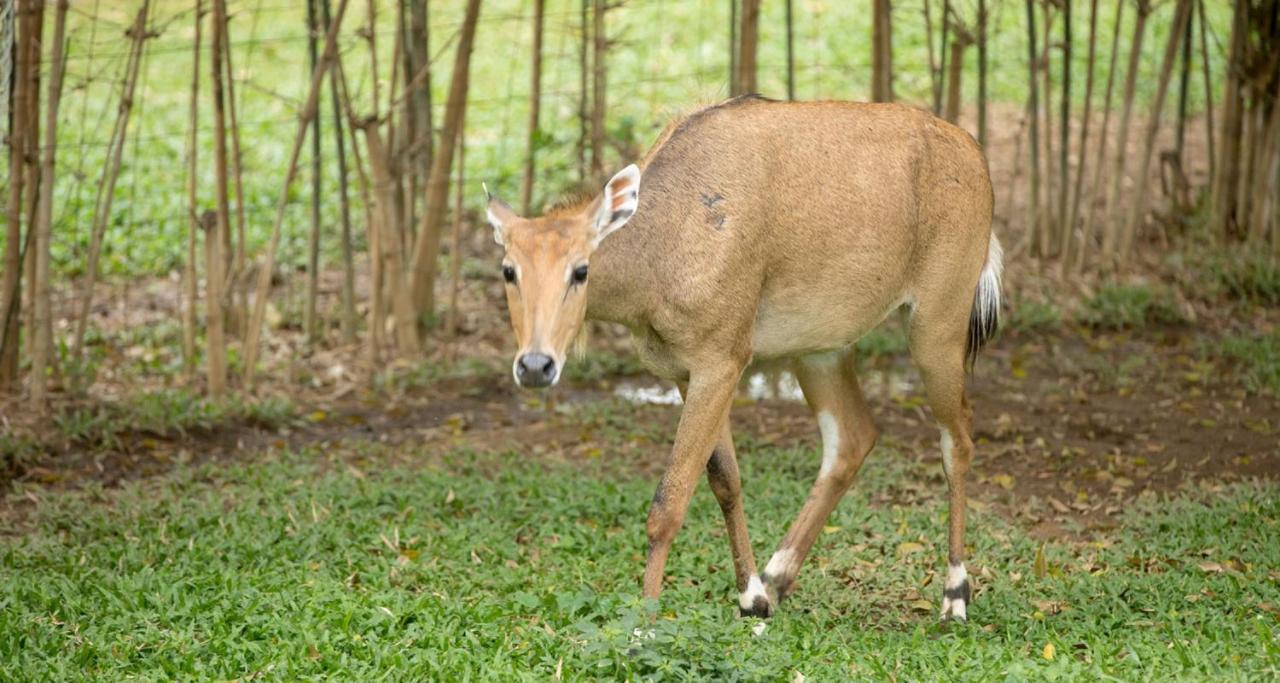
706,411
722,474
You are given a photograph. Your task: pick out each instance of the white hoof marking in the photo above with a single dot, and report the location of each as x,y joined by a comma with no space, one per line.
755,589
955,593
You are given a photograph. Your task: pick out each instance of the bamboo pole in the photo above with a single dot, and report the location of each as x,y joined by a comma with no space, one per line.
1110,234
428,244
264,273
376,316
1100,172
215,242
42,348
1138,209
344,199
535,105
1033,113
309,323
15,252
455,256
189,268
235,259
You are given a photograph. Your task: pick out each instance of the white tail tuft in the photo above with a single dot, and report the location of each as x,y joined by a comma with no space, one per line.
984,319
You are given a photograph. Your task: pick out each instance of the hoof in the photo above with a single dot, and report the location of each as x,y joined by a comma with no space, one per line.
955,597
755,601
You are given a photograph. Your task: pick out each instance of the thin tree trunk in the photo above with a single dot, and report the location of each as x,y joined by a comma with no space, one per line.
42,348
344,198
1182,14
535,102
1083,148
106,191
942,56
235,260
189,268
983,21
1111,232
309,322
881,53
1249,143
748,40
1065,227
1208,95
1033,113
263,288
1225,218
423,147
25,61
1268,156
377,317
935,73
394,274
584,93
1184,83
954,72
791,53
1099,173
31,162
600,44
455,255
735,87
215,272
1049,222
428,245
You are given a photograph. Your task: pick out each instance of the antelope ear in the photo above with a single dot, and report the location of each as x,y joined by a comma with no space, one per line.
617,203
499,214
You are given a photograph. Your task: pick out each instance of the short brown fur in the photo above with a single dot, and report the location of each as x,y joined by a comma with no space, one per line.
769,230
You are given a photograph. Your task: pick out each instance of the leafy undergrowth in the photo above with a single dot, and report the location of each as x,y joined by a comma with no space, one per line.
1255,359
1125,306
163,413
484,567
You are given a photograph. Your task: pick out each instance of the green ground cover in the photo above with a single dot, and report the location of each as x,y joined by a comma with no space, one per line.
350,565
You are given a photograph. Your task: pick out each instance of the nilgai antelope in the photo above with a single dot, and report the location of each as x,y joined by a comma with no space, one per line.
770,230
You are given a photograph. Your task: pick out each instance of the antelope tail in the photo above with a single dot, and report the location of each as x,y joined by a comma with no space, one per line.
984,318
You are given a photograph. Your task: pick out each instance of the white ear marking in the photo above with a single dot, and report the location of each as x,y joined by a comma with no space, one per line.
618,202
498,214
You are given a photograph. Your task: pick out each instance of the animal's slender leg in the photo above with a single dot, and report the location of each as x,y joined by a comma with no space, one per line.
938,351
831,388
722,474
705,416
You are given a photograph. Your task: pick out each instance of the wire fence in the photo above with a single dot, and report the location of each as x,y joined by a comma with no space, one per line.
665,56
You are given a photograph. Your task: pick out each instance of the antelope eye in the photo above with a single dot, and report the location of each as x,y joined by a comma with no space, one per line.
509,274
580,275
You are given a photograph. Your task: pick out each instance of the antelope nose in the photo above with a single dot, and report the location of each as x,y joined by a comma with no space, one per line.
535,370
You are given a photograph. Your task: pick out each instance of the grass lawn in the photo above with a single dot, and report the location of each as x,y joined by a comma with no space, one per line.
349,564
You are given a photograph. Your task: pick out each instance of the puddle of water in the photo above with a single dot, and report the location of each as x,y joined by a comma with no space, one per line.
651,394
761,386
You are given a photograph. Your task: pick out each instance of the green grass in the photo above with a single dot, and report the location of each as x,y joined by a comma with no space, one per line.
300,566
1248,277
1256,359
163,413
1124,306
1032,315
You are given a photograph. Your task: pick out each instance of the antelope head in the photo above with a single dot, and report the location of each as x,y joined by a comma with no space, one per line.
545,268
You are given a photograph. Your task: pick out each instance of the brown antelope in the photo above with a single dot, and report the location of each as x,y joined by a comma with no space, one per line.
771,230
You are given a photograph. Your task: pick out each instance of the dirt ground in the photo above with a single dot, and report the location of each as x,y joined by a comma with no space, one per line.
1069,427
